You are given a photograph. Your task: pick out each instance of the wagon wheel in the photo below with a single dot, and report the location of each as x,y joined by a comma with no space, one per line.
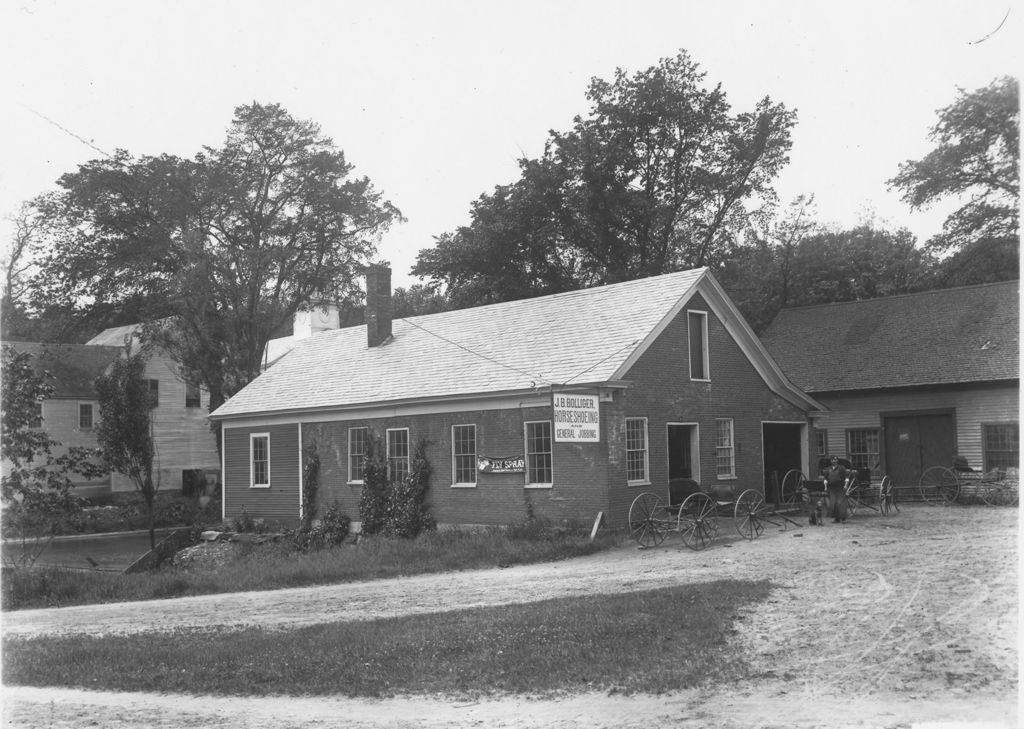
749,514
853,496
793,488
646,520
698,520
940,483
998,493
887,496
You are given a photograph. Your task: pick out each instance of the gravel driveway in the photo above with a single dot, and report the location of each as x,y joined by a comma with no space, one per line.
926,600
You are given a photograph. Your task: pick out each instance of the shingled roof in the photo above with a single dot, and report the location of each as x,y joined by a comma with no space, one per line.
574,338
74,366
947,336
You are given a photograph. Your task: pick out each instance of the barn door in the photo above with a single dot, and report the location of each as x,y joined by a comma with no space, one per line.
914,443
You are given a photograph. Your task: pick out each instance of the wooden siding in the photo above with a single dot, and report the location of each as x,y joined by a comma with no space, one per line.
278,503
972,407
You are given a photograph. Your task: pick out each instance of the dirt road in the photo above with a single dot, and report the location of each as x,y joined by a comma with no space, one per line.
926,601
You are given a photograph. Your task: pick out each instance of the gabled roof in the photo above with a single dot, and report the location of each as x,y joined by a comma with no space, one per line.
74,366
575,338
116,336
947,336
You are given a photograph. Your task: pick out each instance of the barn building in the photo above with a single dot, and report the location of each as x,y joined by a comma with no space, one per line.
573,401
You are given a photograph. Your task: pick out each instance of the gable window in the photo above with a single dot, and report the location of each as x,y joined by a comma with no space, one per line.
154,392
193,399
36,419
725,451
464,455
356,454
697,326
862,448
85,419
398,453
1002,446
821,442
636,450
538,453
259,460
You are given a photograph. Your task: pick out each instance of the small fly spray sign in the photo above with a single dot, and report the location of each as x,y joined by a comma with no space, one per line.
506,464
577,417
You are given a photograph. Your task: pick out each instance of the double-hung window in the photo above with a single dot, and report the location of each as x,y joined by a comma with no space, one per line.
636,451
398,453
697,326
538,453
193,396
259,460
1002,446
725,449
464,455
862,448
85,415
821,443
356,454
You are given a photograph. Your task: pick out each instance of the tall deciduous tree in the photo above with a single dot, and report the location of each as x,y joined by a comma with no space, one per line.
660,176
219,250
975,163
125,428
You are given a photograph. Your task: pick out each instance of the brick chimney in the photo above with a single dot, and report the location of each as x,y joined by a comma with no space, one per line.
378,304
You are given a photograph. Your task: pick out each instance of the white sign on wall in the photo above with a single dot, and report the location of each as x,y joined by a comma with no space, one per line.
577,417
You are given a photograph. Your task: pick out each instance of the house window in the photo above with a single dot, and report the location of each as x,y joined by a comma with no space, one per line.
1002,446
356,454
862,449
725,452
636,450
85,421
259,460
36,419
538,453
398,453
697,324
193,399
464,455
821,443
154,392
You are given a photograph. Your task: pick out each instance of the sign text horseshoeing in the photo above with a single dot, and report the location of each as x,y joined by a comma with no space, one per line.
577,417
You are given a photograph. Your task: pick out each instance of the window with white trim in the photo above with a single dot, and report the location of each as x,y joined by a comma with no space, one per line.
398,453
464,455
821,442
725,450
154,392
356,454
259,460
636,451
1002,446
862,449
193,395
539,462
85,415
697,327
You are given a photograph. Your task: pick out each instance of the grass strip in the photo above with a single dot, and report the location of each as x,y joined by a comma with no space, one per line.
278,565
651,641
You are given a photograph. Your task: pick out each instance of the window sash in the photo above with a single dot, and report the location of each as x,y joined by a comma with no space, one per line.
154,392
725,452
539,461
862,448
636,450
697,329
85,415
259,460
398,453
464,454
1002,446
821,442
356,455
193,396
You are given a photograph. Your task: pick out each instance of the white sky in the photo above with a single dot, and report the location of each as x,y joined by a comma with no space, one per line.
435,101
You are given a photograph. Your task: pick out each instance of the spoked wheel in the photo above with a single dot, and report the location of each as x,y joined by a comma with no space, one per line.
793,488
698,520
853,497
749,514
999,493
939,483
887,496
647,520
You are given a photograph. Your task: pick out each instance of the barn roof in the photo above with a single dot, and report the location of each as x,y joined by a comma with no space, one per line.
573,338
941,337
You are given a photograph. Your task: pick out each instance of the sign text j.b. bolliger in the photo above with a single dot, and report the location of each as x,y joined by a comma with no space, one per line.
577,417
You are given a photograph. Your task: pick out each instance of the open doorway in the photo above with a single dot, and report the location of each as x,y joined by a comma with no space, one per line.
783,450
683,451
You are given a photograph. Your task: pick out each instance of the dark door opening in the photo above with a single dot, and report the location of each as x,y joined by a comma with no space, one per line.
782,452
680,451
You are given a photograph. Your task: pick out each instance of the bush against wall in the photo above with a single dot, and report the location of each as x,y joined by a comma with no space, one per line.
398,508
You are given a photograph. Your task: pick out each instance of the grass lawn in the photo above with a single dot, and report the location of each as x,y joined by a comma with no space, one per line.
652,641
277,565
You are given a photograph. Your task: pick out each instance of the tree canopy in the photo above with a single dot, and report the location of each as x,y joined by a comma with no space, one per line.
217,251
975,163
660,176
